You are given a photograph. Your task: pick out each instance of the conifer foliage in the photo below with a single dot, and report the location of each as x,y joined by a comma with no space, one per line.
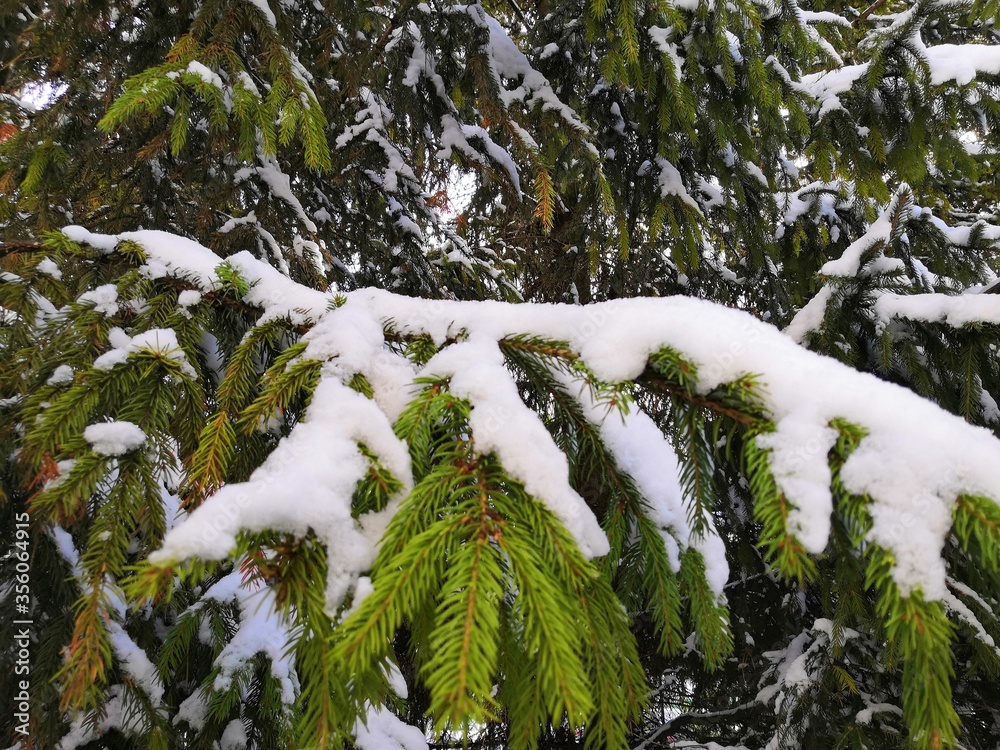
292,455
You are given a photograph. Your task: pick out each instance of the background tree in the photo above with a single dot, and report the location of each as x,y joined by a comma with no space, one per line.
291,483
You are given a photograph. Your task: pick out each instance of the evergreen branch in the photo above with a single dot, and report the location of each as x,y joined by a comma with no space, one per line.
460,671
771,508
653,379
917,629
977,522
710,619
13,247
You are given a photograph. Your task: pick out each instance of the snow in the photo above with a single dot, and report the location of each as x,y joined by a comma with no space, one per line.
104,242
353,343
116,713
794,447
734,47
456,135
548,51
955,310
189,298
260,630
49,267
967,616
193,711
372,122
135,662
311,252
507,61
403,221
244,80
783,661
693,5
234,736
661,37
865,715
419,61
306,483
275,293
114,438
396,680
381,730
280,186
810,317
104,299
62,375
756,172
670,183
991,410
235,221
966,591
810,16
265,10
848,265
914,462
205,74
828,85
160,341
961,63
131,658
169,255
503,425
641,451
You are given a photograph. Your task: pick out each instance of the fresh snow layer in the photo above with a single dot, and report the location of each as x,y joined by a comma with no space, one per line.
503,425
135,662
162,341
955,310
849,263
117,713
188,298
114,438
961,63
382,730
234,736
810,317
104,299
260,630
306,483
170,255
62,375
49,267
508,62
669,180
642,451
915,461
827,86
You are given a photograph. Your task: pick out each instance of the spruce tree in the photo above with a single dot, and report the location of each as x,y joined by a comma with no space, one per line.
291,455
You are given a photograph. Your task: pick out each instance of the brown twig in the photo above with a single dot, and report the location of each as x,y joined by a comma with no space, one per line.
867,12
